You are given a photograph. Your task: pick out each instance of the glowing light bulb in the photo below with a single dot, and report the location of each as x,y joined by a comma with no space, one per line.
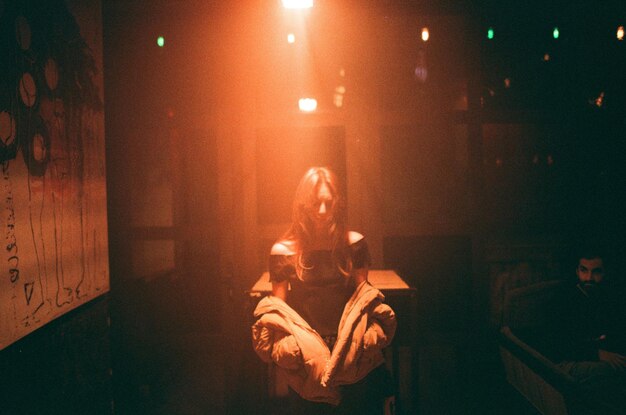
490,33
297,4
160,41
425,34
620,33
307,104
555,33
291,38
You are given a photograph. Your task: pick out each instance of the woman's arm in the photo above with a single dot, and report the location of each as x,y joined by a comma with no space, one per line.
280,250
361,257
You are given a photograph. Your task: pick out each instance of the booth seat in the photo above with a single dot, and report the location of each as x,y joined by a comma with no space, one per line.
529,317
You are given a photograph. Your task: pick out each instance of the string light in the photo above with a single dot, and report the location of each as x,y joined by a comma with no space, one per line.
421,71
555,33
160,41
620,33
338,96
599,100
490,33
425,34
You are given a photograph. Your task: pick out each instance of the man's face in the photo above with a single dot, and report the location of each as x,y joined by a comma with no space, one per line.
590,271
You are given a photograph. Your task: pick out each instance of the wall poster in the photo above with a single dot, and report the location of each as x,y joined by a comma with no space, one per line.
52,168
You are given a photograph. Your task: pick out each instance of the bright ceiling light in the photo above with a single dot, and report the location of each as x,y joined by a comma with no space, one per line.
307,104
297,4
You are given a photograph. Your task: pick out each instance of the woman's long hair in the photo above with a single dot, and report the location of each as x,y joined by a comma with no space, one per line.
302,229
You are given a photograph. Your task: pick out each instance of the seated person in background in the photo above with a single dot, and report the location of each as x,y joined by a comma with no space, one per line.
592,345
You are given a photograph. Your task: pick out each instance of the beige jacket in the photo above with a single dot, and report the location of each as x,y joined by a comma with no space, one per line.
367,326
282,336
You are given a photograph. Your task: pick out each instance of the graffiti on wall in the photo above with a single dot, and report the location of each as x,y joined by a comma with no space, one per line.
52,182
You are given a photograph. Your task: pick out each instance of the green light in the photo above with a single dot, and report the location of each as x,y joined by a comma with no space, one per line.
555,33
490,33
161,41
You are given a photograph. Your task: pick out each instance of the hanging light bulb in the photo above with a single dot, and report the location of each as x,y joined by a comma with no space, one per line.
425,34
307,104
297,4
620,33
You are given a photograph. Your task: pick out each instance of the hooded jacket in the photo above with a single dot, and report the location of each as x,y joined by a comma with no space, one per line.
283,337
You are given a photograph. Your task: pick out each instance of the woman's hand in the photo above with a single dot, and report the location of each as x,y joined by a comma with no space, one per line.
616,360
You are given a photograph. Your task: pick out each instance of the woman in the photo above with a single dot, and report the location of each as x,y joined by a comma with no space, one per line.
315,269
321,260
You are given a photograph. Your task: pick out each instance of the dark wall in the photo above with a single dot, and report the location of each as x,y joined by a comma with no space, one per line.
166,289
62,368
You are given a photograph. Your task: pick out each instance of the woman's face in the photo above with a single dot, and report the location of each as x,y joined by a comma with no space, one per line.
320,210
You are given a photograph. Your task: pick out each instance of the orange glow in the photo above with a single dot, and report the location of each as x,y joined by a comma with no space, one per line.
51,73
307,104
425,34
338,96
620,33
28,89
546,57
297,4
291,38
39,148
7,128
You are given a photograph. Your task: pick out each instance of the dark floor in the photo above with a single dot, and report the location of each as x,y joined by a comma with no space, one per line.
161,367
200,375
